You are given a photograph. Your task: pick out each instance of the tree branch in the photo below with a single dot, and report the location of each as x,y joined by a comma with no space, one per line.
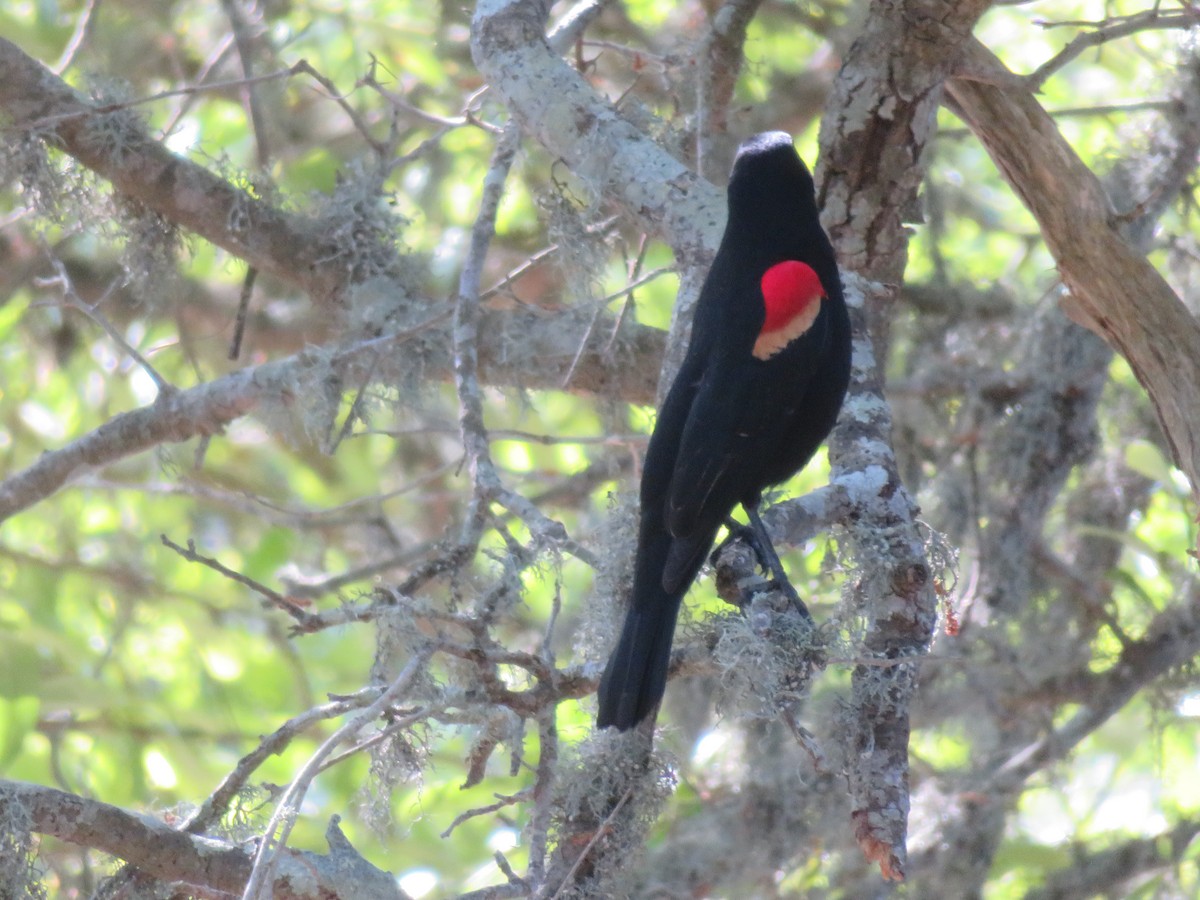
177,416
1115,292
555,104
1109,30
1105,872
173,856
107,142
295,249
270,855
1171,640
879,121
723,53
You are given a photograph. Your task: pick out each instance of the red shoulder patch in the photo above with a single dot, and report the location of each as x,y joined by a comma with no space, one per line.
792,294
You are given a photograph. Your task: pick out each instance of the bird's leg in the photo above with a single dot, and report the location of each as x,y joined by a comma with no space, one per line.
770,560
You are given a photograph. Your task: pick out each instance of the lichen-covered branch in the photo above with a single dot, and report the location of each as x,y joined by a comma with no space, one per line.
722,54
179,415
896,592
874,133
177,857
554,103
260,885
296,249
115,147
878,123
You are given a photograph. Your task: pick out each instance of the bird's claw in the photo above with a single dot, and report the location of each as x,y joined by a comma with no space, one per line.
768,561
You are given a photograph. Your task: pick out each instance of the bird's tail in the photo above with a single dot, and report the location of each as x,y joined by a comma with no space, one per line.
636,676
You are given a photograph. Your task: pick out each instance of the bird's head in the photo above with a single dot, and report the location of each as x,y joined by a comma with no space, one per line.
769,182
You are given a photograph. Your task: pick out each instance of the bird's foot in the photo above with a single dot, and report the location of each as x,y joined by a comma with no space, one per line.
755,536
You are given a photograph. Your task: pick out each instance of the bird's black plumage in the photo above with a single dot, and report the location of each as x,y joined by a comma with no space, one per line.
747,409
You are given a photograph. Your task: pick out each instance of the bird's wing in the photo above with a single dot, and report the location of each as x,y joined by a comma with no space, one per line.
705,483
729,449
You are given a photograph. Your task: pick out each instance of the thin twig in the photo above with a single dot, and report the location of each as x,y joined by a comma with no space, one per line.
83,30
339,98
92,310
486,483
219,52
502,801
276,599
243,309
1105,31
488,487
218,802
186,90
243,39
379,737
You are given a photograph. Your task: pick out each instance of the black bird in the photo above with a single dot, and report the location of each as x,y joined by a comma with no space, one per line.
759,390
